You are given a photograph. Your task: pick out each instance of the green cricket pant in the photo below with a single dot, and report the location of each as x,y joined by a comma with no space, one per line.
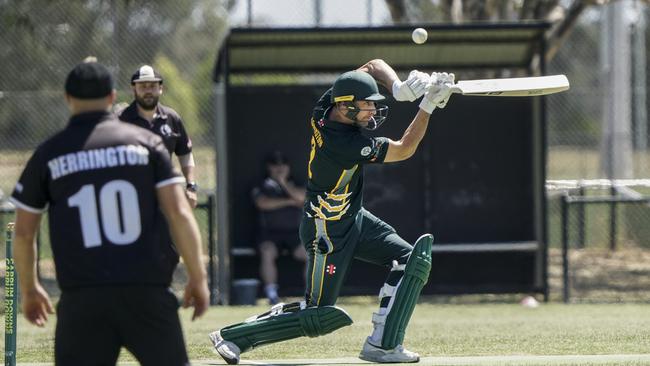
332,245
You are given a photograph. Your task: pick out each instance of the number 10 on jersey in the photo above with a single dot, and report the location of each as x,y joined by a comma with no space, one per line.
119,209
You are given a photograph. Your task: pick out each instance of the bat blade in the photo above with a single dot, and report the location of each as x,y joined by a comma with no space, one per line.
513,87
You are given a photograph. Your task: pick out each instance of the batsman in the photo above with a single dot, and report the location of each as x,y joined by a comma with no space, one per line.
335,227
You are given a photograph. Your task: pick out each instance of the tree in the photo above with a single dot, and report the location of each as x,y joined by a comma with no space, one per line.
41,40
562,16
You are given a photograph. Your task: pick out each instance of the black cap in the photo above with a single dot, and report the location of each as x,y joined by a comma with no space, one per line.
89,80
145,73
276,158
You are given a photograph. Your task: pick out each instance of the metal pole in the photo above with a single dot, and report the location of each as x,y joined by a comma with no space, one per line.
617,138
565,248
541,169
118,40
11,299
222,198
612,221
318,12
211,247
639,81
581,220
249,13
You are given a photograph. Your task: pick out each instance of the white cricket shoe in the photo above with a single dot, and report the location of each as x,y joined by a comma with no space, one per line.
398,354
226,349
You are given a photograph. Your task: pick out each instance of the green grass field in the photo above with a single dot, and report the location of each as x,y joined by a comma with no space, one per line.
499,329
436,330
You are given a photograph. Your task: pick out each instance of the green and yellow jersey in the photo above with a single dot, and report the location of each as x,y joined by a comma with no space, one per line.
335,170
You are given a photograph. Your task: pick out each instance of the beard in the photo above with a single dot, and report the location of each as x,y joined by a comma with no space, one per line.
147,102
362,123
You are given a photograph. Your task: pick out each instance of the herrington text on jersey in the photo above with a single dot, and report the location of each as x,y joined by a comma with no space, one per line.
108,157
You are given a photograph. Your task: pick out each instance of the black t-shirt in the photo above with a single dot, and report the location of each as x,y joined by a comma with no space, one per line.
282,219
97,180
166,124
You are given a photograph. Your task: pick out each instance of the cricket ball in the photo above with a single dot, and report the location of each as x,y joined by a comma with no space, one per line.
419,35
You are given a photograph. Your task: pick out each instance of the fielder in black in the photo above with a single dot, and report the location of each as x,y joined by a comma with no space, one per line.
105,186
145,111
335,227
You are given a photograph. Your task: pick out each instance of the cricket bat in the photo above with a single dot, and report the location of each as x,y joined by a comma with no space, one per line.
513,87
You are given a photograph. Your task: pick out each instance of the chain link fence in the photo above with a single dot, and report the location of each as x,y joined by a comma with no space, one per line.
45,39
588,141
41,40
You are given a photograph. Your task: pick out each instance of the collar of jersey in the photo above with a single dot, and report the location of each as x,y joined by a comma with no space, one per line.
89,117
132,112
339,126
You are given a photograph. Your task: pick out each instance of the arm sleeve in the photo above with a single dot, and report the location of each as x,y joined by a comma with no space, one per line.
184,144
162,164
31,192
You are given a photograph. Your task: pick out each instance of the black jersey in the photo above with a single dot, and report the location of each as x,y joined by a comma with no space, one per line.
166,124
280,219
338,153
97,180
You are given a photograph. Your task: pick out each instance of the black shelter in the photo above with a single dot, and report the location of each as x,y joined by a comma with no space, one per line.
476,181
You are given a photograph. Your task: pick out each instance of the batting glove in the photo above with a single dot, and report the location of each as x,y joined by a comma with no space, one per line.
438,91
447,79
411,89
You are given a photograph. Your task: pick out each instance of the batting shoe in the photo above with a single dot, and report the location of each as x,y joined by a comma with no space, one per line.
226,349
398,354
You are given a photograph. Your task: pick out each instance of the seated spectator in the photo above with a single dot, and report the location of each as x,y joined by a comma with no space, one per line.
279,202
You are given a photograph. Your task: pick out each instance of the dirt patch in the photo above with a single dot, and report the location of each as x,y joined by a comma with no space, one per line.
601,275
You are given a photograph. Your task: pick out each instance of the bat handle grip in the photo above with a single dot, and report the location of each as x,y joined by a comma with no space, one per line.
455,88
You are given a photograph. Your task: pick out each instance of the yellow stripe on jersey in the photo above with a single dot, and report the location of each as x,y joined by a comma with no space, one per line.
338,182
318,138
320,260
312,153
318,212
331,208
338,197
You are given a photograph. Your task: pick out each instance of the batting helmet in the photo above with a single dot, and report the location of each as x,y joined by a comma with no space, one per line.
358,85
355,85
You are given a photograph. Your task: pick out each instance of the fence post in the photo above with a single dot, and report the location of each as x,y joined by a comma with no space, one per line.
211,245
11,299
581,219
612,220
565,247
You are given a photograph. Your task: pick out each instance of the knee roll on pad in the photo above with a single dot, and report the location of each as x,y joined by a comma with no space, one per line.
416,275
286,322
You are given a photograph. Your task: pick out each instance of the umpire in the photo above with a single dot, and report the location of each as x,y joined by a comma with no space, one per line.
145,111
105,187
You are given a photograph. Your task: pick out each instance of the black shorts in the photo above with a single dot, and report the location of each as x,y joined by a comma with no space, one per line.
283,239
94,323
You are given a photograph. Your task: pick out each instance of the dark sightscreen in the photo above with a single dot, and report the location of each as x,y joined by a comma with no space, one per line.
471,180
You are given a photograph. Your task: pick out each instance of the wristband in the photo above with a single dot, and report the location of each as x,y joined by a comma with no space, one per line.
192,186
